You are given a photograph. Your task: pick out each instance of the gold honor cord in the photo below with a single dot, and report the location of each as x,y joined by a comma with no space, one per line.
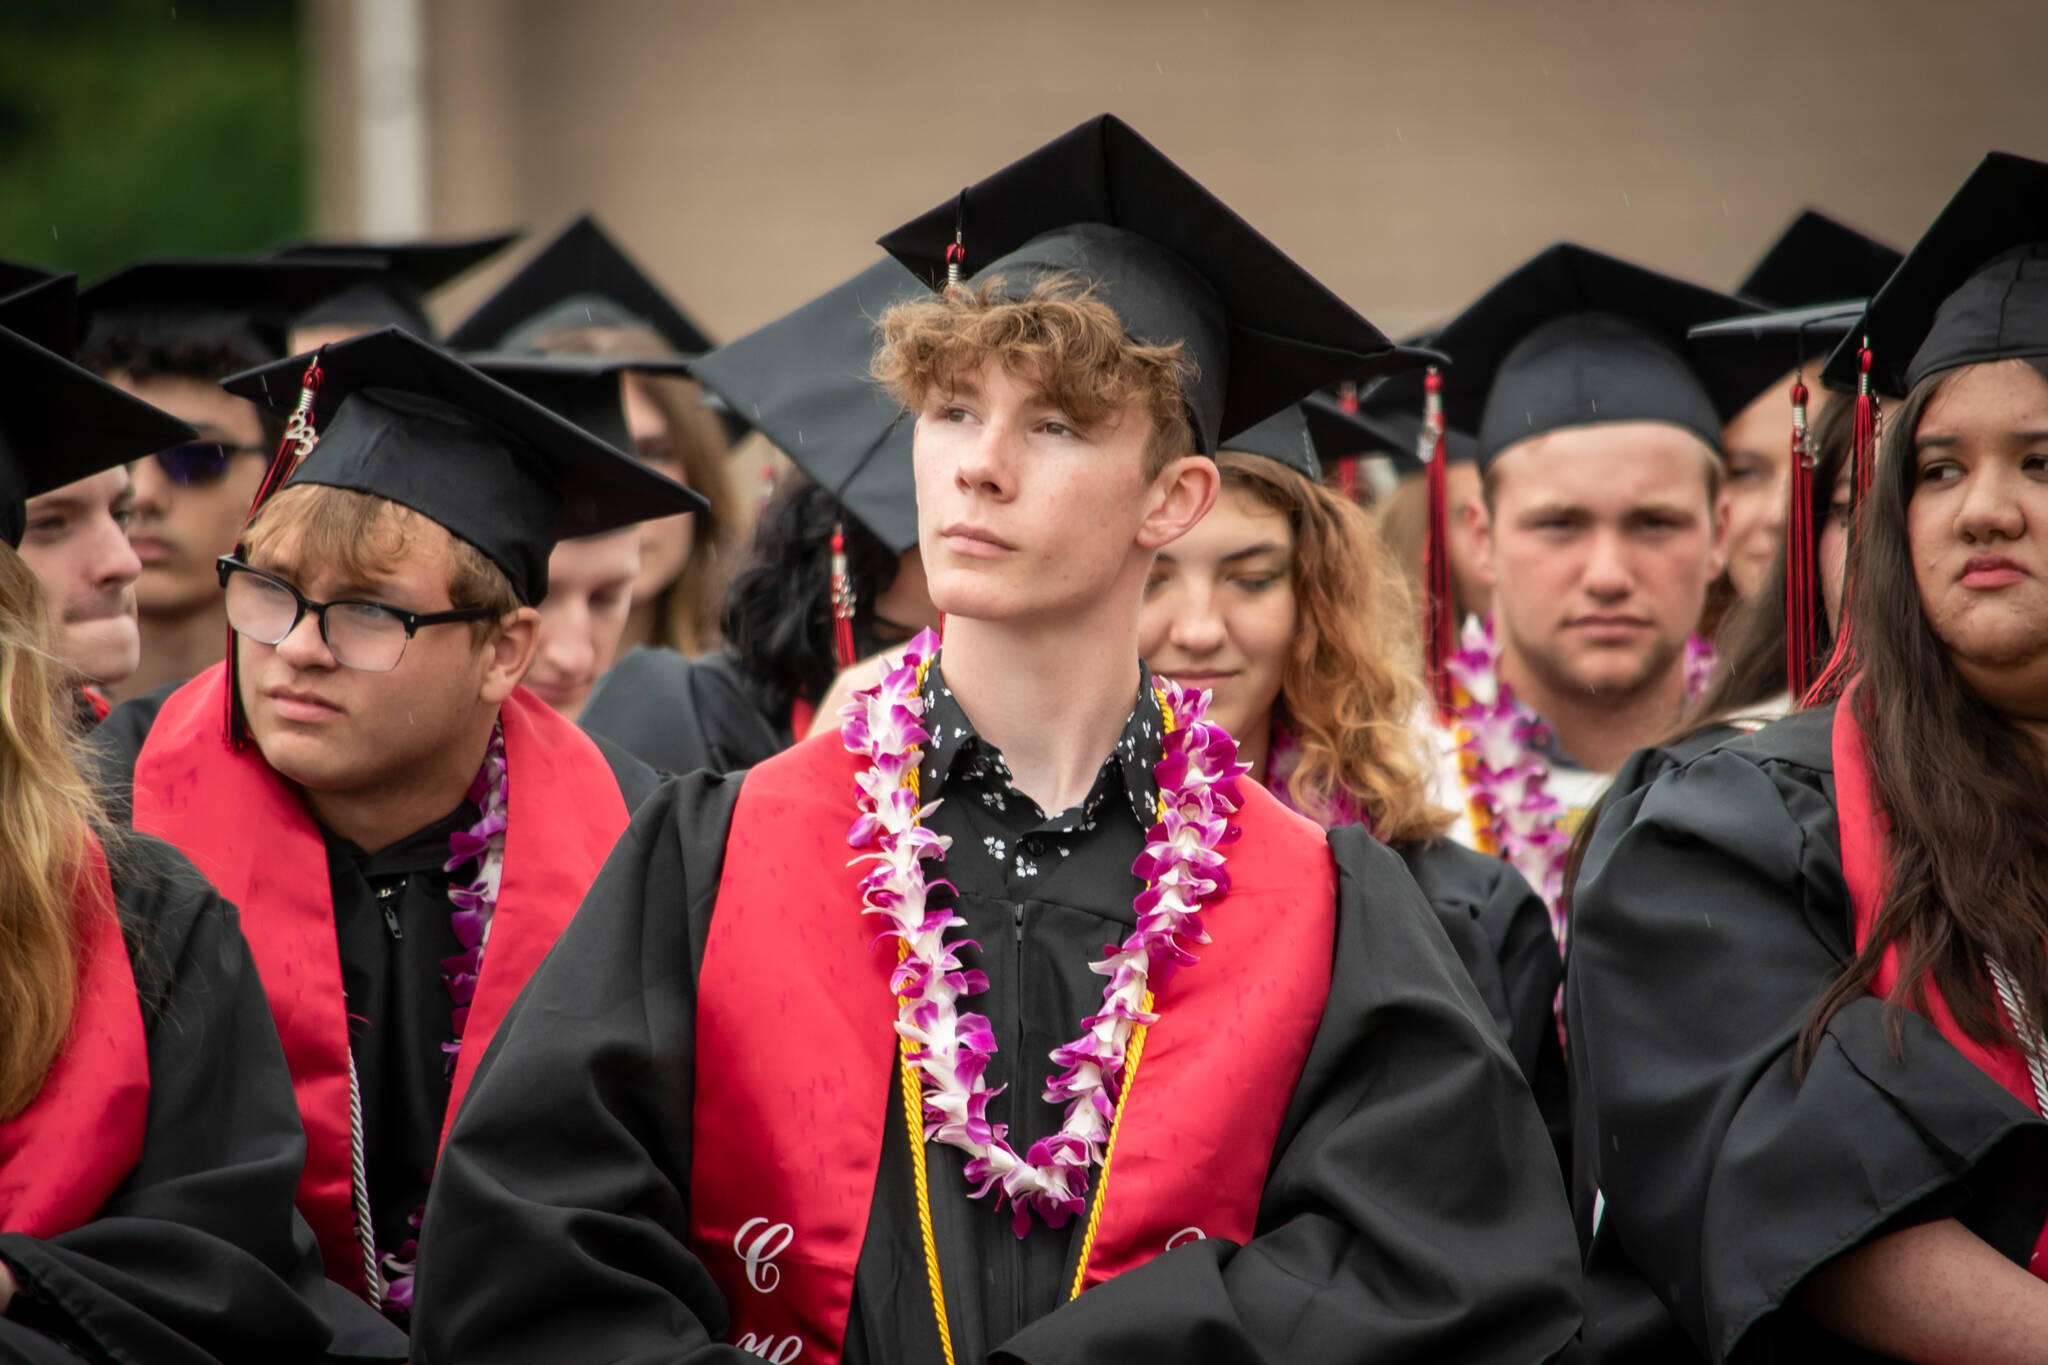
913,1118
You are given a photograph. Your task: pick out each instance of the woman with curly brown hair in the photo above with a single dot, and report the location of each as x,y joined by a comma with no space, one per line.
1284,603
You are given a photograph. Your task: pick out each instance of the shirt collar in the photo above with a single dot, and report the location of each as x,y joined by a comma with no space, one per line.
1136,753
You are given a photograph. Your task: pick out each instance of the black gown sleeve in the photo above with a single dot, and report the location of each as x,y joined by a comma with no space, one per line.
108,754
198,1256
680,715
1413,1210
573,1145
1710,917
636,780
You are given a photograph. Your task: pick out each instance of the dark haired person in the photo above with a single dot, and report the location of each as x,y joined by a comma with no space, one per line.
700,1133
405,828
803,381
1808,974
148,1146
168,332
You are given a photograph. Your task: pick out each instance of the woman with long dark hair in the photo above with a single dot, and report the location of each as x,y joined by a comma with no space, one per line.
1809,973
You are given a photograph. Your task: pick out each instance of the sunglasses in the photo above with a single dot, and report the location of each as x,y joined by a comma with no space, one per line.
196,463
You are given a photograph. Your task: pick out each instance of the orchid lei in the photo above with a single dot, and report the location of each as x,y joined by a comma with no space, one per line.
1181,868
483,843
1506,775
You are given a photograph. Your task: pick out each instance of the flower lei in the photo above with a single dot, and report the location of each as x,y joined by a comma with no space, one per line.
1506,775
483,843
951,1051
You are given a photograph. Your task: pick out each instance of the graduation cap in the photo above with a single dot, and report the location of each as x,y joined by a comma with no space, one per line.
582,388
60,423
1305,435
398,296
1575,337
1973,288
1741,357
580,279
40,306
1818,260
1391,409
413,424
251,302
1172,260
803,380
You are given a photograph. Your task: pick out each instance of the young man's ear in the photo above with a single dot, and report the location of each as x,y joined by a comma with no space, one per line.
1181,496
1477,527
510,653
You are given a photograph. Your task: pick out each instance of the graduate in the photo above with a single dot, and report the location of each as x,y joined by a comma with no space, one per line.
1808,970
699,1133
148,1145
1284,604
1600,526
363,775
834,573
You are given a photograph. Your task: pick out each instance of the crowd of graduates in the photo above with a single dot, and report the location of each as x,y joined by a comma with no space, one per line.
1565,796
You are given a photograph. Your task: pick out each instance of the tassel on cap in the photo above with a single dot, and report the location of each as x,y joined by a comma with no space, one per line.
299,440
1862,465
1801,587
1439,630
842,600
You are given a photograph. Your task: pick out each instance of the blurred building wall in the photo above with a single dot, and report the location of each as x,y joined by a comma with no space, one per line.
749,153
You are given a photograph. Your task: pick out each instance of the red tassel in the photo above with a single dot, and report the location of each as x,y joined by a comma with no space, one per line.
1347,478
299,440
842,601
1800,570
1862,464
1439,630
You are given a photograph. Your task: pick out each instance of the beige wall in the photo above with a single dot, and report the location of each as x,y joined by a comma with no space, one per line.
750,151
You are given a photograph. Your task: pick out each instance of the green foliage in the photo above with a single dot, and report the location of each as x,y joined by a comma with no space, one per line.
132,129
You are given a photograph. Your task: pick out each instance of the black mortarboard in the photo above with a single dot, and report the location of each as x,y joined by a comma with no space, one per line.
1173,261
580,279
1973,288
582,388
1746,355
803,380
1817,260
251,302
1575,337
60,423
45,310
398,296
1305,436
1392,410
408,422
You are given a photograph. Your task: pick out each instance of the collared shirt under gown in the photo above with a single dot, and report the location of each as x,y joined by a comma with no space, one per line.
1412,1210
198,1256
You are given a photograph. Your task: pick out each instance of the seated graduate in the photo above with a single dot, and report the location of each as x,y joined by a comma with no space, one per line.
834,573
581,294
1809,971
1285,606
363,775
148,1146
726,1116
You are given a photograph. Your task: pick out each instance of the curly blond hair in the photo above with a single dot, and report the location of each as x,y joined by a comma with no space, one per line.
1060,336
1351,689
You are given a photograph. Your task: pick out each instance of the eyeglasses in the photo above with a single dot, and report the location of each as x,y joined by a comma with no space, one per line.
367,636
199,462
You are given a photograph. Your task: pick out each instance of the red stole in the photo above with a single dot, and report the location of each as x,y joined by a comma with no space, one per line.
1866,868
797,1057
82,1134
248,831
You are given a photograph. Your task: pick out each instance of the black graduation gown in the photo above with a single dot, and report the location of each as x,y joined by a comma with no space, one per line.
1500,929
392,931
677,714
1411,1211
1710,917
198,1256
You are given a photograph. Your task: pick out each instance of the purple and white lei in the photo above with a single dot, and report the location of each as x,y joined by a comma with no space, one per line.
1181,867
484,844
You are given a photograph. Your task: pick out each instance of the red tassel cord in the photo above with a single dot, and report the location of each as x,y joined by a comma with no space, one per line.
1801,571
299,440
1439,630
1347,477
1863,439
842,601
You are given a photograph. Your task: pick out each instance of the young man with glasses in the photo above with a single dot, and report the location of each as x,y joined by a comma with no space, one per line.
167,332
364,776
